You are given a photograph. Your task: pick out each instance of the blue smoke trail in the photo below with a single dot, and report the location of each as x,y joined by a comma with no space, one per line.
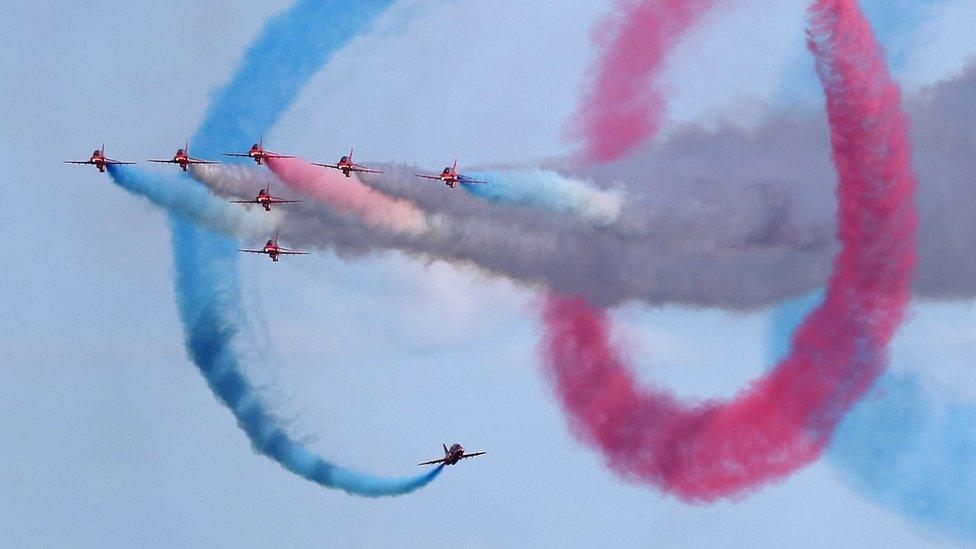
292,47
194,202
902,446
549,190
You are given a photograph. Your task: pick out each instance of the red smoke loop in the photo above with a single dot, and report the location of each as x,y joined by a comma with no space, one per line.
701,452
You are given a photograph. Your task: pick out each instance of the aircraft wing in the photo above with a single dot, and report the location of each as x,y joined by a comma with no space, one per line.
110,161
362,169
241,155
276,155
432,462
171,161
281,201
473,454
254,251
243,202
198,161
283,251
78,162
434,177
333,166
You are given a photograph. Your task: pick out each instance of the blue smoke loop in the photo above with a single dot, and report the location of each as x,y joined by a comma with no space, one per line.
292,48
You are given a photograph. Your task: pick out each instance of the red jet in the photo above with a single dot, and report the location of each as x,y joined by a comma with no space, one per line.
451,177
452,455
347,166
183,158
273,250
258,153
98,160
265,200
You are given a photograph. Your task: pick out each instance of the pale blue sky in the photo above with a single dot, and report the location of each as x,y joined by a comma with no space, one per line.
112,438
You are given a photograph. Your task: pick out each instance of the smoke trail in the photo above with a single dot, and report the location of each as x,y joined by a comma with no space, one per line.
291,48
784,421
655,251
902,445
728,218
620,111
549,190
307,220
348,194
913,452
179,196
214,332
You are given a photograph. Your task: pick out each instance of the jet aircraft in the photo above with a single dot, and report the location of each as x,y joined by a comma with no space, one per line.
347,166
272,249
265,200
183,158
452,455
258,153
451,177
99,160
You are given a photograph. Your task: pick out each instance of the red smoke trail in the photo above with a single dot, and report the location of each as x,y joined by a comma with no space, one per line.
705,451
349,195
620,110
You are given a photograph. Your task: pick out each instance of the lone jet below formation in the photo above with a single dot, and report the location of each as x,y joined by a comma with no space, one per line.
347,166
258,153
183,158
265,200
273,250
452,455
451,177
98,160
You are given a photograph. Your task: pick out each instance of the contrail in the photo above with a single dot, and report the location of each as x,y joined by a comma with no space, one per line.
293,46
903,445
785,420
622,109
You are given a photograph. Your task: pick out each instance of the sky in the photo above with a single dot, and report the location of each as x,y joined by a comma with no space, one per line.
113,438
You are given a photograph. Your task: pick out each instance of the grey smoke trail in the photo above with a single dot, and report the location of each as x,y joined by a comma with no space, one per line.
607,264
703,224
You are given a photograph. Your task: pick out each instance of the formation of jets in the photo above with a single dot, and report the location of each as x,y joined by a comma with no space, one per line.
449,176
265,199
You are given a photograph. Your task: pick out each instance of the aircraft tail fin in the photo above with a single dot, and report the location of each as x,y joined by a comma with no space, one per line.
446,452
103,147
455,163
351,150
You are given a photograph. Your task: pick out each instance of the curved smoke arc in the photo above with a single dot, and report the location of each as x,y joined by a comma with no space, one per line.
785,419
292,47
